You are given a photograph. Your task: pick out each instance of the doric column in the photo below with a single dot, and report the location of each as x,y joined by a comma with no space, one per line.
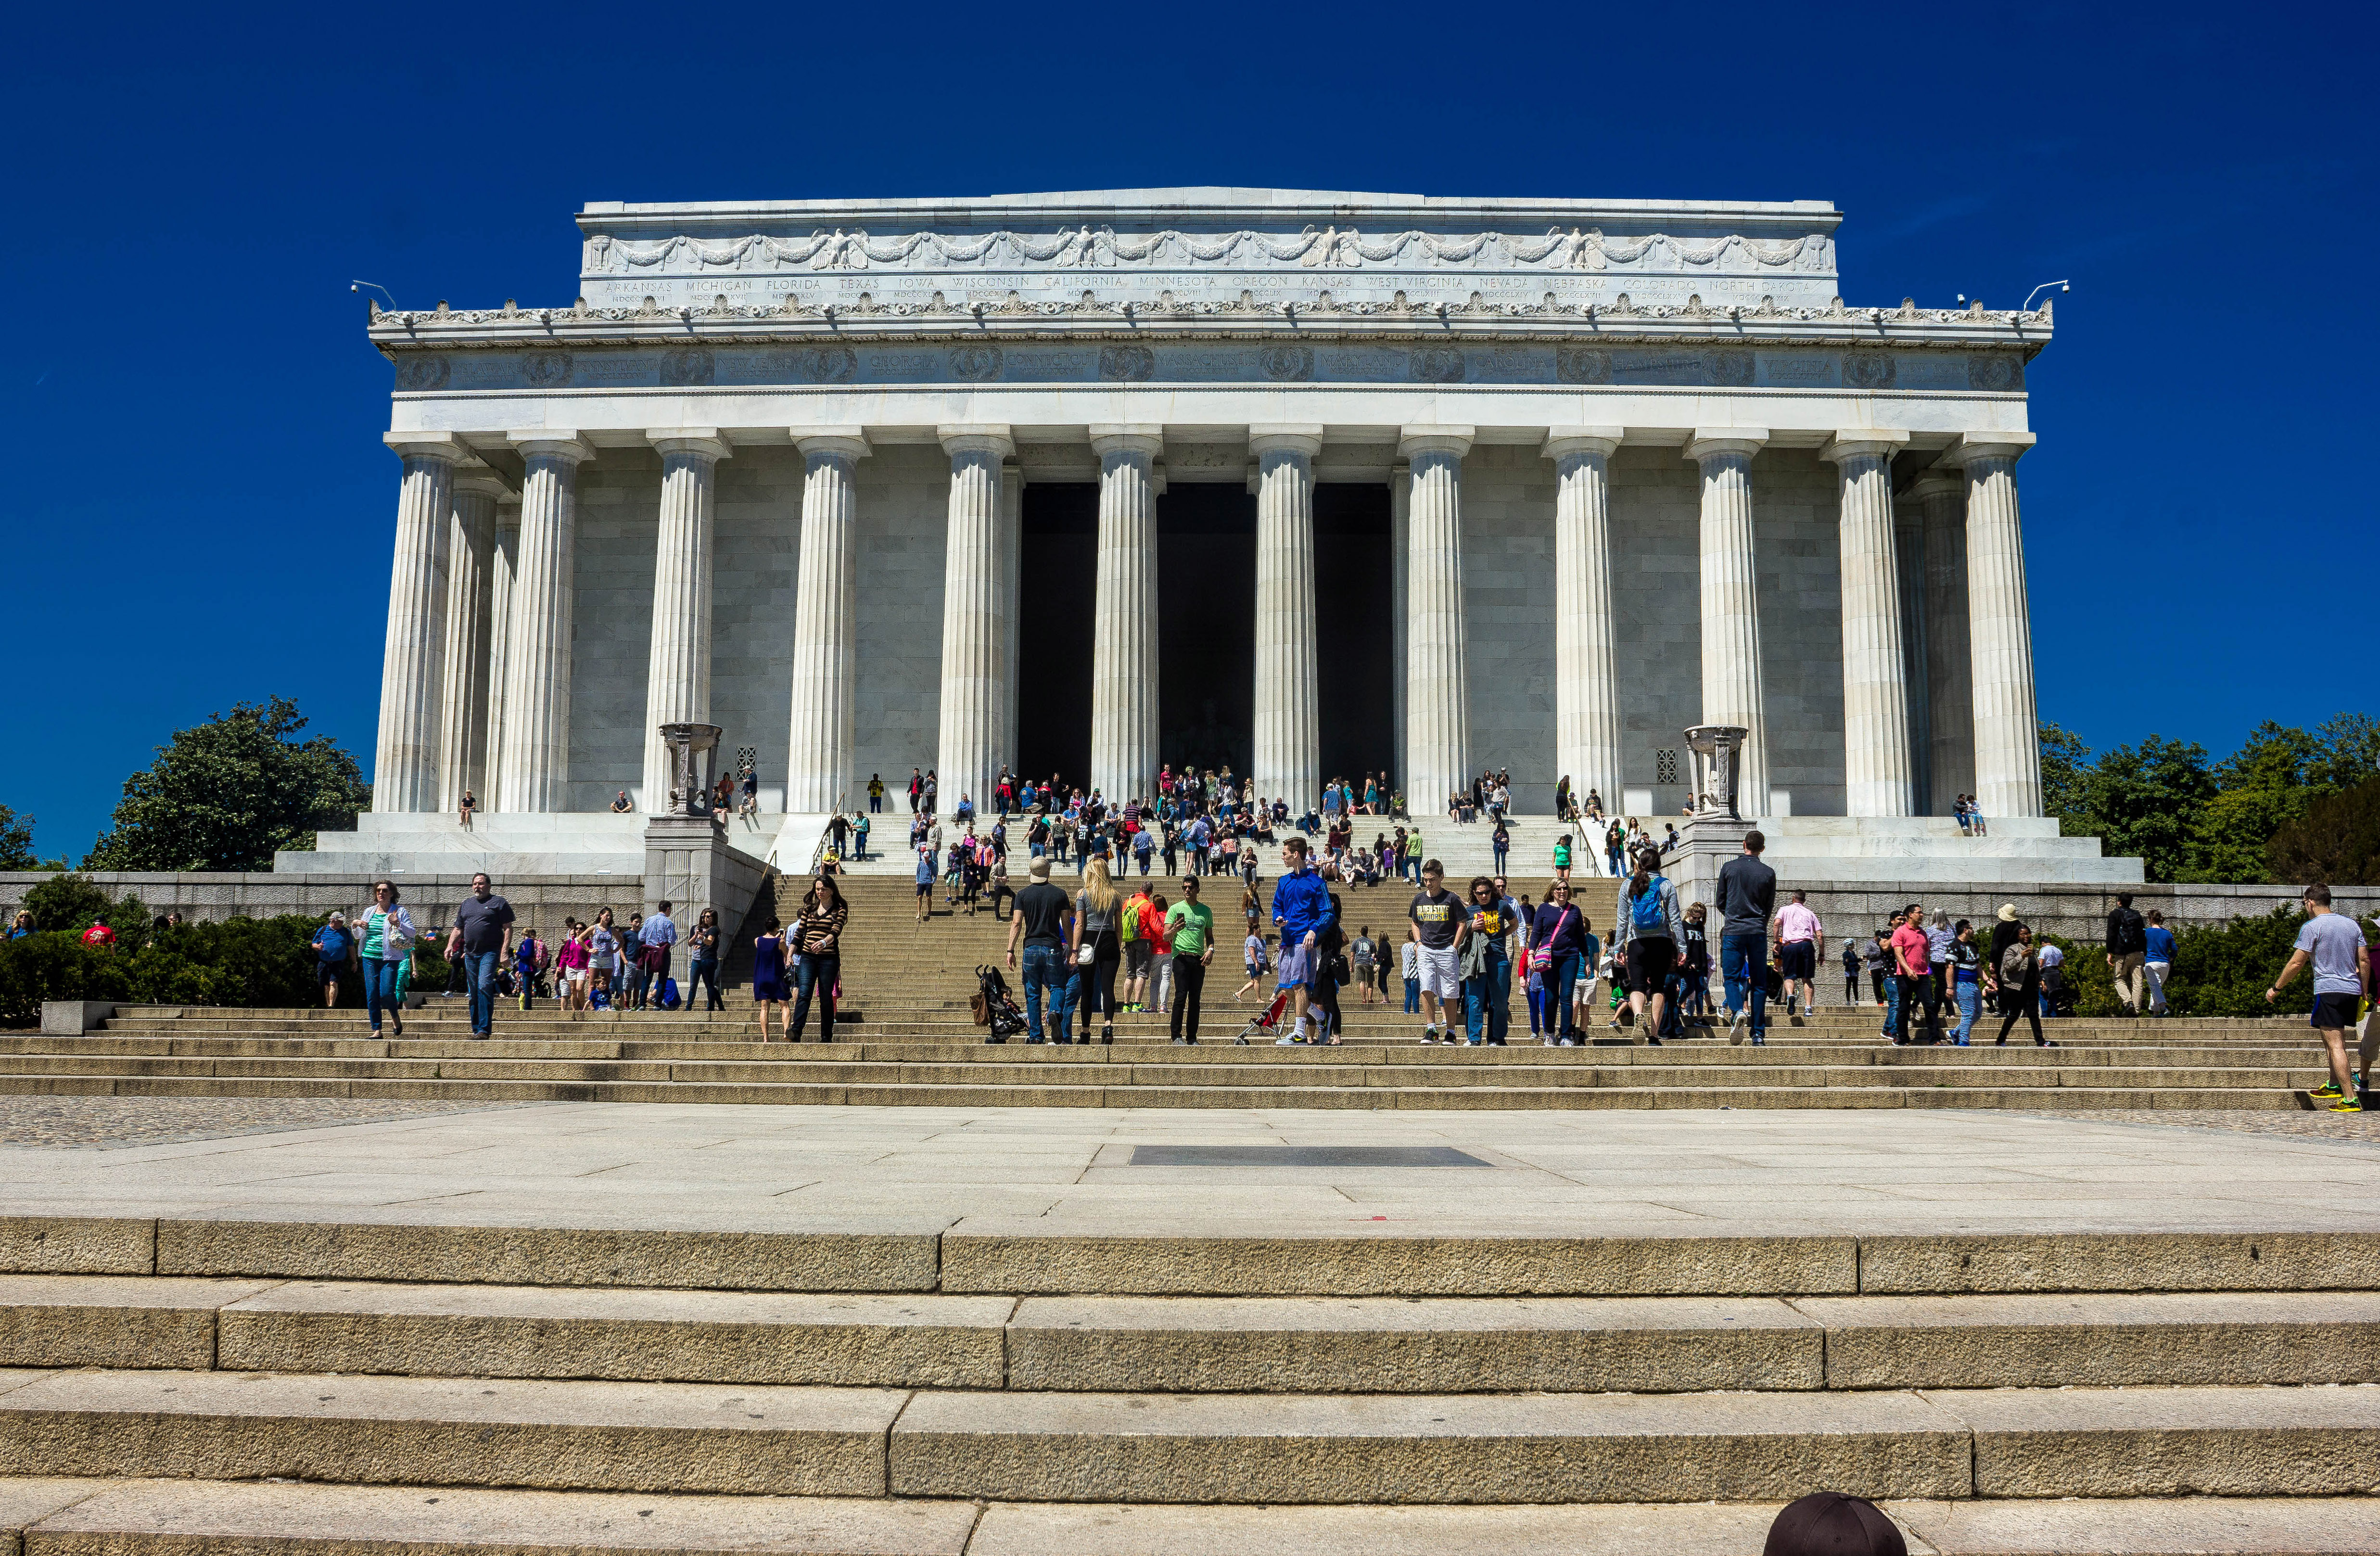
677,671
826,622
1731,602
1586,645
1399,540
1288,729
1950,712
503,559
1124,629
1909,549
405,763
2000,627
1011,585
1876,677
463,704
974,619
535,776
1438,707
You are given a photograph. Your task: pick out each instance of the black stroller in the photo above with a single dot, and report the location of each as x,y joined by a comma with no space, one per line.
994,1010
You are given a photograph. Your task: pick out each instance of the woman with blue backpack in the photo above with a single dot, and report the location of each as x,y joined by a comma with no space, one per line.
1650,931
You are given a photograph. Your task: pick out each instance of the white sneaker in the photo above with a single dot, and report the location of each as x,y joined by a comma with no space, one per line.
1737,1028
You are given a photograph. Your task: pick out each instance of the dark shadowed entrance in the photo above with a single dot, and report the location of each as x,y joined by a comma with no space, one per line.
1354,625
1059,564
1207,627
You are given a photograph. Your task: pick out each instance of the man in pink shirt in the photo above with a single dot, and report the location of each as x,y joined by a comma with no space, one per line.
1801,947
1912,969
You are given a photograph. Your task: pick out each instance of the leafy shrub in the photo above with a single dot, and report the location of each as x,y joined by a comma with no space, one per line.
238,962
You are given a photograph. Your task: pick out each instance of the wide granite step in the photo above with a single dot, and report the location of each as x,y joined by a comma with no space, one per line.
1192,1344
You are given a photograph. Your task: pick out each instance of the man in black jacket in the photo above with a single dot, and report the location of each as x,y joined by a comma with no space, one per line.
1747,892
2127,944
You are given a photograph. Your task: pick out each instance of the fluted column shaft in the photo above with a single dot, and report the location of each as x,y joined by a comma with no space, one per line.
677,670
536,773
1011,585
1733,682
826,626
1908,548
1437,705
1950,712
1123,615
1400,547
974,619
1587,641
1876,779
2000,627
463,703
405,763
1288,727
502,558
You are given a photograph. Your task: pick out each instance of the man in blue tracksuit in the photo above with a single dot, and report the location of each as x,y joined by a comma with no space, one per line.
1302,907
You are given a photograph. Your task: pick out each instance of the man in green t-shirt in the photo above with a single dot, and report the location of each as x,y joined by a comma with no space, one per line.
1190,927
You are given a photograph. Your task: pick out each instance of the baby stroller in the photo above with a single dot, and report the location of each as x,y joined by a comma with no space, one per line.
1266,1023
994,1011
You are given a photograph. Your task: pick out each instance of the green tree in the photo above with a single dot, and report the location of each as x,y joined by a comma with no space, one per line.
17,841
2337,840
227,794
2064,774
2146,802
2267,785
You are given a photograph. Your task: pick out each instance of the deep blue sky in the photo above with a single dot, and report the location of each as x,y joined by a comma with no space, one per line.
199,509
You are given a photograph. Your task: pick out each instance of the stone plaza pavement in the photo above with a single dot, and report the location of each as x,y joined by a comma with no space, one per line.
1659,1174
320,1328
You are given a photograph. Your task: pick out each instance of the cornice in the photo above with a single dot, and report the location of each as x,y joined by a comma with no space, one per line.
1320,319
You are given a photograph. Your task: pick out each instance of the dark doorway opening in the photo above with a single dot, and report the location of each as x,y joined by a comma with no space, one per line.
1058,572
1354,628
1207,627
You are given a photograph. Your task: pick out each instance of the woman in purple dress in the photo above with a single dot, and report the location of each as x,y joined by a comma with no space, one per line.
768,979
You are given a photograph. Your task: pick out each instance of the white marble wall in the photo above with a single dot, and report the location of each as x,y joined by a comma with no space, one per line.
1507,603
905,495
612,623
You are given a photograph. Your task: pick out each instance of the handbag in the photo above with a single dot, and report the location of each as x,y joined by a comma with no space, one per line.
1541,959
1086,954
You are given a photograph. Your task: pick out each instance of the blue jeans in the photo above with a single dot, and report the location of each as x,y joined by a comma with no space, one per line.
380,986
1745,958
1971,999
479,970
1487,1001
1563,984
1503,853
1045,967
813,975
1891,1004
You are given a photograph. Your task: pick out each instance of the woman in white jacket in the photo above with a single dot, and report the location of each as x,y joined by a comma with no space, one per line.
385,934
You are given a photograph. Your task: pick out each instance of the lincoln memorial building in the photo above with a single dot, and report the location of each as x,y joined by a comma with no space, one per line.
1309,483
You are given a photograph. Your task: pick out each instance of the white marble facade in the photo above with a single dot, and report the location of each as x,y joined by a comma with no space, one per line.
1645,468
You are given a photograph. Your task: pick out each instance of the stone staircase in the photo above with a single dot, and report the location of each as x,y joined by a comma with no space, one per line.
914,1043
185,1385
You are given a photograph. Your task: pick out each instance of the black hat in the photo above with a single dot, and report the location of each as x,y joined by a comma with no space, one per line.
1830,1523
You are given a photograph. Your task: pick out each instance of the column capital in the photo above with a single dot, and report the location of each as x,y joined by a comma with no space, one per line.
1710,443
1285,437
426,446
1852,443
551,444
1987,446
1936,482
985,437
1605,441
1145,440
1435,440
849,443
704,442
480,482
